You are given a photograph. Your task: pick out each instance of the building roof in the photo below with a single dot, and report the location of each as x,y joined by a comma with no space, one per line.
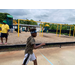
27,25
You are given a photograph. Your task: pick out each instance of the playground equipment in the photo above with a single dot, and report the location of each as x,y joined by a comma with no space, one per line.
34,25
46,28
61,29
41,30
14,22
10,21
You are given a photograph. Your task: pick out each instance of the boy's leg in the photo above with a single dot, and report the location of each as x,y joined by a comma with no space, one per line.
26,59
35,62
33,58
1,37
6,40
6,36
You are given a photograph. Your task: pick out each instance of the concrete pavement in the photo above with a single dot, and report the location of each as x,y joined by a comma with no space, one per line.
45,56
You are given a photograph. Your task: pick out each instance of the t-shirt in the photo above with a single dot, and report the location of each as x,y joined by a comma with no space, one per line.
29,45
5,28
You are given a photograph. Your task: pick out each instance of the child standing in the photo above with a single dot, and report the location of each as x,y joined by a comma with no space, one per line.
4,32
30,45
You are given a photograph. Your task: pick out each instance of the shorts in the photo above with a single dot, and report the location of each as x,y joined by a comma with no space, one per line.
28,57
4,35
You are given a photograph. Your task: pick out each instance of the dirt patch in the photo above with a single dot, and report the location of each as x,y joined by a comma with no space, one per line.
47,38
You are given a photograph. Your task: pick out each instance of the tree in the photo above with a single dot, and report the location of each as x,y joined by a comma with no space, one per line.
3,16
53,27
64,28
31,22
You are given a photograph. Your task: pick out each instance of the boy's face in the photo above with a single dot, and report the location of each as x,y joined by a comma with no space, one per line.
34,34
3,23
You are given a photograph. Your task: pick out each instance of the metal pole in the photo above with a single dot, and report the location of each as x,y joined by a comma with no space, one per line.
42,30
60,30
18,27
70,31
74,31
57,30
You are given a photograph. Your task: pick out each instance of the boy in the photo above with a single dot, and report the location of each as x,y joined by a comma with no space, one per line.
4,32
30,45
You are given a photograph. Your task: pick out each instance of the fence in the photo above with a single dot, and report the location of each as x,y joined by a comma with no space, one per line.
62,31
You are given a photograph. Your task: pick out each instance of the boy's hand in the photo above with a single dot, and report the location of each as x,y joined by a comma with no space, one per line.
43,44
35,47
7,33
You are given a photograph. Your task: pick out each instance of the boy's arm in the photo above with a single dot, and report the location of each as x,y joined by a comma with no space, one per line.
7,30
35,47
0,29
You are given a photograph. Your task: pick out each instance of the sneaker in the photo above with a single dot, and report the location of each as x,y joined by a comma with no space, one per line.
5,43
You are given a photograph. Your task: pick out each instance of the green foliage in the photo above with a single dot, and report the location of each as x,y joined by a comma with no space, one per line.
64,28
53,27
72,28
3,16
31,22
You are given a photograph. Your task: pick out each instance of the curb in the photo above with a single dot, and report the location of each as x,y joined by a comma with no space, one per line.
23,45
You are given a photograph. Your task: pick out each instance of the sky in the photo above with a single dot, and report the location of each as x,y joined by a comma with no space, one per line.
63,16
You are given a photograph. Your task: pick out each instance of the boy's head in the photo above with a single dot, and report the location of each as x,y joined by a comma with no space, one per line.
33,32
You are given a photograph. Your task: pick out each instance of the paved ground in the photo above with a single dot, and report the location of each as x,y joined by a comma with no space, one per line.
45,56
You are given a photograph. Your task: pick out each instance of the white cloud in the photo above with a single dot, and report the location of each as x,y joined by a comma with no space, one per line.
46,15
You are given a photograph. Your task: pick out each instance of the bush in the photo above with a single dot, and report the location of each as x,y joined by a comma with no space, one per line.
53,27
64,28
